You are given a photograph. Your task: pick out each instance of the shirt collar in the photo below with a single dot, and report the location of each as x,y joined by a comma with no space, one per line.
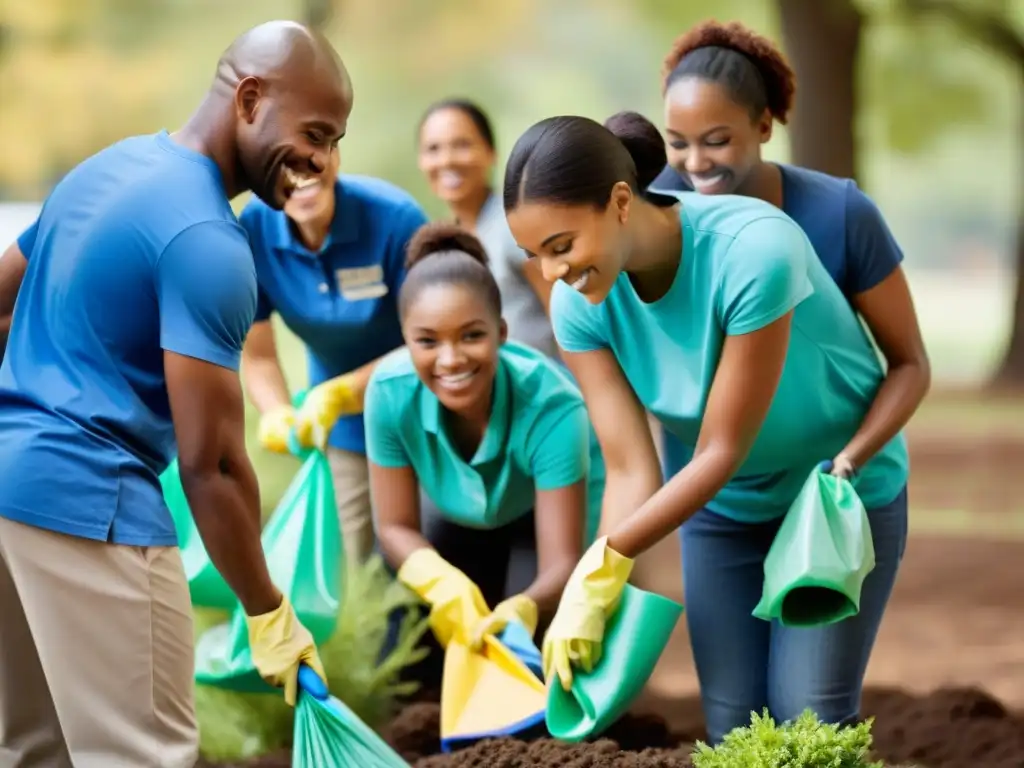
344,227
496,434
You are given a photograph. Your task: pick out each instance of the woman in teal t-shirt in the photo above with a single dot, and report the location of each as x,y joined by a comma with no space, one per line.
479,452
717,317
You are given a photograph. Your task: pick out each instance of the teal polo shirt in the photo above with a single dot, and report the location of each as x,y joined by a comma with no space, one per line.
341,301
744,265
538,439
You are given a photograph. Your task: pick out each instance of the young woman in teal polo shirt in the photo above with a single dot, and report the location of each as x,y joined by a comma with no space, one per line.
714,314
479,452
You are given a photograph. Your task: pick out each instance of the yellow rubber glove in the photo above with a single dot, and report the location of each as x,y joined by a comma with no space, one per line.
279,643
275,426
516,608
323,406
456,604
591,596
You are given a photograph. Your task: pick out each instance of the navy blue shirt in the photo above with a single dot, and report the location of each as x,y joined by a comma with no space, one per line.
845,227
135,251
342,302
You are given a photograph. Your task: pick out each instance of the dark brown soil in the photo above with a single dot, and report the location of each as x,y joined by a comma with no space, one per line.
951,728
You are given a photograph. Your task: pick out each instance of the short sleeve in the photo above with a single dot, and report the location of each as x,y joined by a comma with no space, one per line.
264,307
872,251
206,287
27,239
412,219
763,276
559,447
381,422
574,320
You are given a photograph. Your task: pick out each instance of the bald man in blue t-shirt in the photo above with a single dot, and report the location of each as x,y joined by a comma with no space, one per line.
135,289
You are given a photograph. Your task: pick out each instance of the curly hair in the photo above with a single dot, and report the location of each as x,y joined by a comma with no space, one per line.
751,67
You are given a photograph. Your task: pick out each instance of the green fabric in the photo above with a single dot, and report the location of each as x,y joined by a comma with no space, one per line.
634,639
327,733
821,555
304,551
205,584
538,437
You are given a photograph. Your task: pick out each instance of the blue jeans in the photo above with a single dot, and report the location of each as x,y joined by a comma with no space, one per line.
746,664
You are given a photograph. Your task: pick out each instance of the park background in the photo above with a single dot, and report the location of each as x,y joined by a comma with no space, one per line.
921,100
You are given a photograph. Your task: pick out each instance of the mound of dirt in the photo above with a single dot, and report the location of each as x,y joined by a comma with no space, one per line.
949,728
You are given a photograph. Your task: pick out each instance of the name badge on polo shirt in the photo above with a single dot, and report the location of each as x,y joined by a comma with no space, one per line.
362,282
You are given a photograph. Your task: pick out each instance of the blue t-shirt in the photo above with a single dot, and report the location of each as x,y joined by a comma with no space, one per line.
538,439
845,227
343,301
136,251
744,265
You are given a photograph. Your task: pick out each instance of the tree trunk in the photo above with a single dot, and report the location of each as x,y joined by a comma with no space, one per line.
1011,371
822,40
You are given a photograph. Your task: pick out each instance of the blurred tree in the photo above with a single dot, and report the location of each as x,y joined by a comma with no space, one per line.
990,24
823,41
317,13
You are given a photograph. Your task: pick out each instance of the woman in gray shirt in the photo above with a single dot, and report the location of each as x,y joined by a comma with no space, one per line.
457,155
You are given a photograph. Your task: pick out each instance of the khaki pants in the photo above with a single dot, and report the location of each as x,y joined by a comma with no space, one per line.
351,474
96,654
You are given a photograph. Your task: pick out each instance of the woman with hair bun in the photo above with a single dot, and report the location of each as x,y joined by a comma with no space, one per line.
725,87
479,452
714,314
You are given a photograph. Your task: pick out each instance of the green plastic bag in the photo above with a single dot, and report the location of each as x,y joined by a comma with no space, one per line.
635,637
327,733
303,546
205,584
821,555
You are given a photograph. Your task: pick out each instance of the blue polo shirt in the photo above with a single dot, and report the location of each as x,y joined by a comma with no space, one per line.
136,251
342,302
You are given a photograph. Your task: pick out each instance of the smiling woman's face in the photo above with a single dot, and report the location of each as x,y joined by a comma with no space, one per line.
454,156
453,337
584,246
712,140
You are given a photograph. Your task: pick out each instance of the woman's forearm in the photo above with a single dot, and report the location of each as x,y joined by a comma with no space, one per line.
264,383
899,396
546,589
397,542
671,506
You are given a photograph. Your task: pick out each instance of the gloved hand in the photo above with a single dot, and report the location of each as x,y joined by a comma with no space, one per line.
456,604
516,608
279,643
323,406
275,426
591,595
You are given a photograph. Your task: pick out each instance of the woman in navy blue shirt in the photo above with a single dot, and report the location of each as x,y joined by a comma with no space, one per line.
725,87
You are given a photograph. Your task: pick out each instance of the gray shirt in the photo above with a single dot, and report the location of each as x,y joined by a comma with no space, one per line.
527,321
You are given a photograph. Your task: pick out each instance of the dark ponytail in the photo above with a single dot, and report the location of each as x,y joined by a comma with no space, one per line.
576,161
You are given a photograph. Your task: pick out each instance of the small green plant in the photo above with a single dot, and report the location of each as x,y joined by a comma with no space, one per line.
235,726
804,743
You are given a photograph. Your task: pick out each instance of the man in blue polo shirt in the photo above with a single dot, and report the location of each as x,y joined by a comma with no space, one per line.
330,264
131,296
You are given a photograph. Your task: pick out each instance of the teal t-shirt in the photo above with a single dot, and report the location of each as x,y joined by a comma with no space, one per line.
744,265
538,439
